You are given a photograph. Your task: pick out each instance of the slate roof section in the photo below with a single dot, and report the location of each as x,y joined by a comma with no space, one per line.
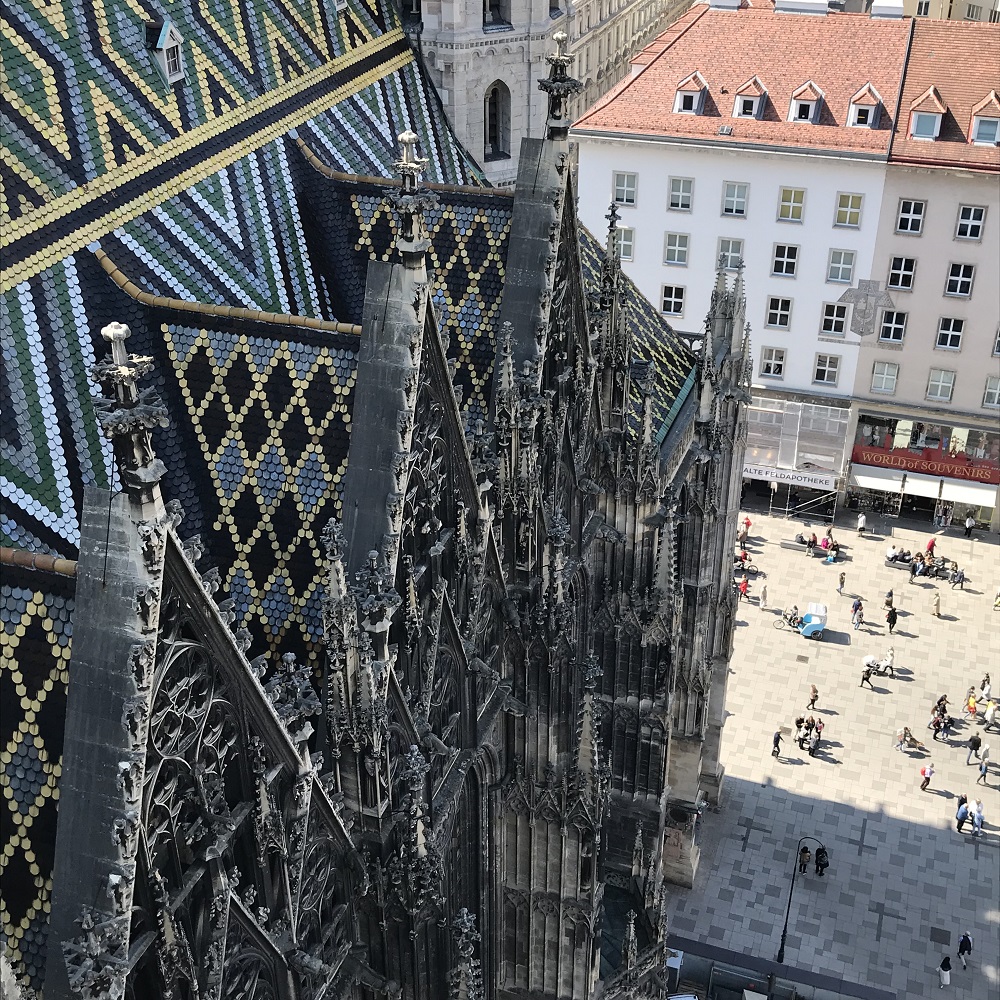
958,59
839,52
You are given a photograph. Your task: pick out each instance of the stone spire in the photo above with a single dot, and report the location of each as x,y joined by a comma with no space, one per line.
466,975
127,416
559,85
410,202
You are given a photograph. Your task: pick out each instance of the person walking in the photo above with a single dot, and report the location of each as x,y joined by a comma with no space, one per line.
743,587
983,771
929,548
822,860
936,605
820,726
964,948
889,663
862,523
944,972
813,696
858,618
984,754
990,716
985,689
840,583
776,744
805,856
976,817
866,676
975,742
891,618
970,523
926,773
814,745
763,597
962,815
958,579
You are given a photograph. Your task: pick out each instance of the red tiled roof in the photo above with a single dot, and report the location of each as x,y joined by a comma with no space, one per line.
989,106
930,100
959,58
838,51
752,88
867,97
694,81
807,92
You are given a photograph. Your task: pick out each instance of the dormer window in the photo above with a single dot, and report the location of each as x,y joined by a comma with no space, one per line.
750,98
166,43
865,107
805,104
926,113
986,121
690,97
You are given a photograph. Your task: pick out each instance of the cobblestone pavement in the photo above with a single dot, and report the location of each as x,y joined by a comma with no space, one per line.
903,883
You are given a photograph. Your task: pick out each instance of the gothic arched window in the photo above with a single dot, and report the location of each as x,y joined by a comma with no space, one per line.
497,112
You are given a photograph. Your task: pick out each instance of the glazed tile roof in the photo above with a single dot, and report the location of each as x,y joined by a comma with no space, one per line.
939,47
838,52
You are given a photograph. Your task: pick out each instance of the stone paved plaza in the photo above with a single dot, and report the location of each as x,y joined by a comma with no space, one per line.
903,884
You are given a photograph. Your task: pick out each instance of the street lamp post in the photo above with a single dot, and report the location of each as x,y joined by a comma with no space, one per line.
780,957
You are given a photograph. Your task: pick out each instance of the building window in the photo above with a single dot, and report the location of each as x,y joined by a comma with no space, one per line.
991,397
940,385
772,362
996,344
172,56
973,12
625,188
747,107
970,222
827,367
949,335
911,216
730,253
985,130
734,199
862,116
849,210
625,242
924,125
901,271
497,110
960,280
923,8
893,326
675,249
884,376
673,300
779,312
791,204
166,42
841,267
786,259
803,111
496,12
834,320
681,194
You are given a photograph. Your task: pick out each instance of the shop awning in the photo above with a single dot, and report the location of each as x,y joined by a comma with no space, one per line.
922,486
869,477
974,494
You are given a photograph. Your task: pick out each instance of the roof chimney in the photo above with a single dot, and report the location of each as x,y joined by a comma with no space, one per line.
801,6
884,10
724,4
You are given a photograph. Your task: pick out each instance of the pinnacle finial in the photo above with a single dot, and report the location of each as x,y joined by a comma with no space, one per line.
410,202
559,85
410,166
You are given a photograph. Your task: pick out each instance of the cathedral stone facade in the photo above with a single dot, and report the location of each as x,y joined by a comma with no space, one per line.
390,660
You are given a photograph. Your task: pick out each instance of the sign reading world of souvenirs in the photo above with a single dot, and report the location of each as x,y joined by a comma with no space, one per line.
810,480
948,466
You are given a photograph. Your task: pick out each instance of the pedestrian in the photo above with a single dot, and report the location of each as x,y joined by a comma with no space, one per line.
776,744
936,725
814,745
926,772
891,618
840,584
889,663
858,618
862,523
990,715
820,726
805,856
746,524
971,704
958,579
983,771
946,723
964,948
866,675
944,972
936,605
975,742
900,738
763,597
985,689
929,549
962,815
743,587
813,696
976,816
970,523
822,860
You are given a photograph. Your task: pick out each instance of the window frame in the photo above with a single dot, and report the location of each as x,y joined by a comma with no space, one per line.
980,223
791,205
973,12
728,253
835,368
620,240
686,237
674,297
785,260
778,312
849,209
893,325
901,273
884,375
825,318
690,193
773,360
992,386
935,131
971,279
755,103
949,333
923,8
830,266
921,216
736,199
937,398
615,174
978,122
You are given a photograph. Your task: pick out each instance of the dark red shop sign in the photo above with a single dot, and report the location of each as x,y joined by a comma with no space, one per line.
945,465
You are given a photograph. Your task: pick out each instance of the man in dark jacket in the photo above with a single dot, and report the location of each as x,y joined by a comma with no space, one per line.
975,742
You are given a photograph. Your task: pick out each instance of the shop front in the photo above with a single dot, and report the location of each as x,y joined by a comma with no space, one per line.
922,470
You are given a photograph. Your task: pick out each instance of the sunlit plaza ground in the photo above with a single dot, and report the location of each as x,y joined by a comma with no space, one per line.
903,884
